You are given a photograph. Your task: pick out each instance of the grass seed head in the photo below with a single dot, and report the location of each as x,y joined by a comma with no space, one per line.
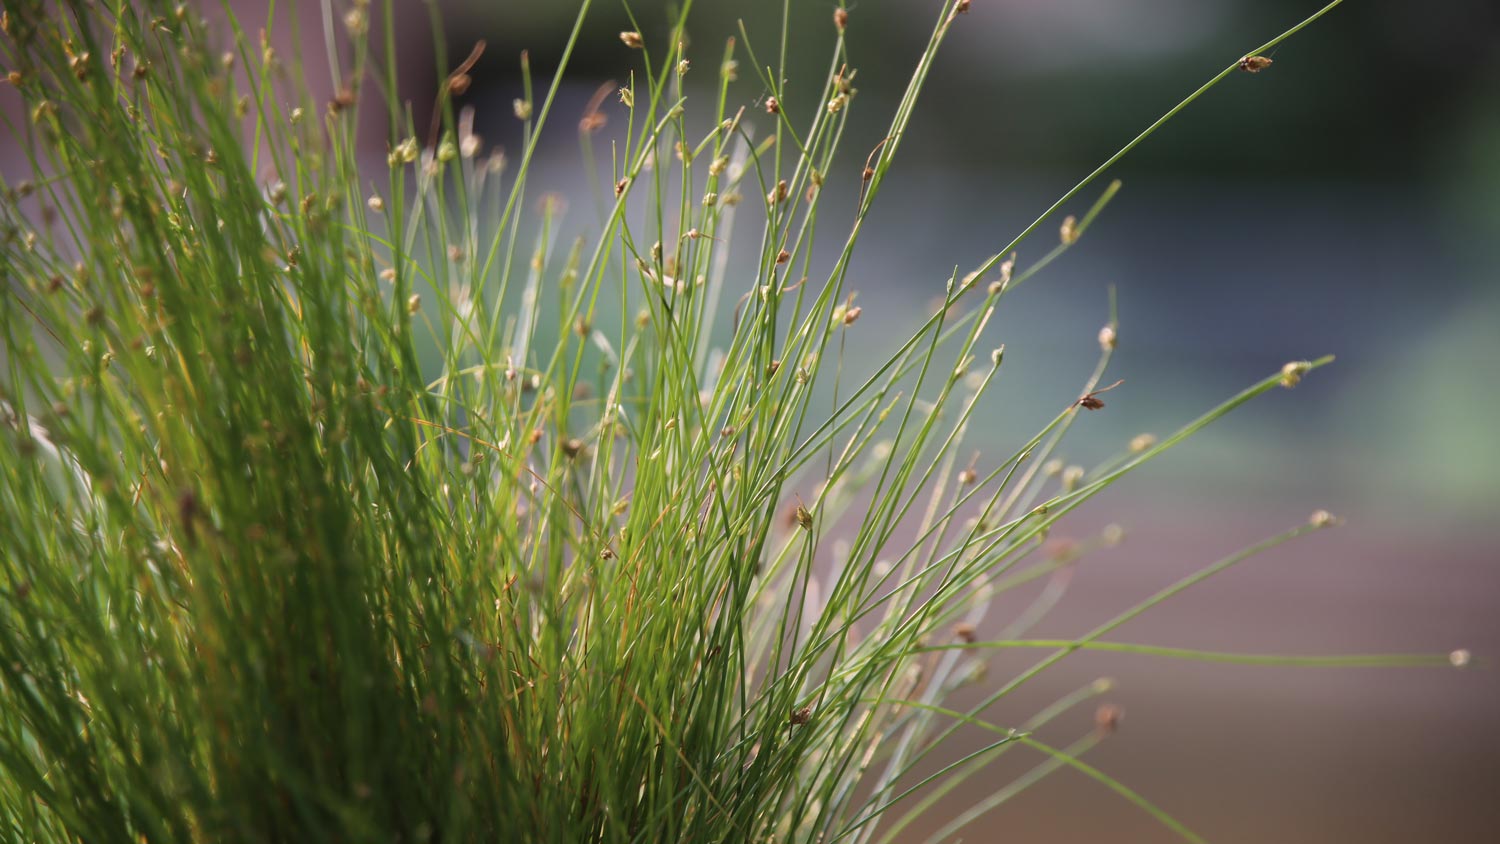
1254,64
803,517
1107,718
1071,477
1323,519
632,40
1291,373
840,18
1112,535
1068,231
1108,338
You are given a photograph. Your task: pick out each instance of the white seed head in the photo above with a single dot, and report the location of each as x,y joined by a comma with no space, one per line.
1291,373
1068,231
1071,477
1108,338
1322,519
469,145
1112,535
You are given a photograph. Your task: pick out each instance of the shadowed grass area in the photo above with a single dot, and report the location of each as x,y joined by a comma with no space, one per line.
350,514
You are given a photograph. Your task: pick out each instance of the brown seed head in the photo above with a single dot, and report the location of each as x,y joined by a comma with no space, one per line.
840,18
964,632
632,40
342,101
1091,401
1107,718
783,256
801,716
1254,64
773,105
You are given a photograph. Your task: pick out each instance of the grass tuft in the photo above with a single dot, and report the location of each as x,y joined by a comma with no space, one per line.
352,503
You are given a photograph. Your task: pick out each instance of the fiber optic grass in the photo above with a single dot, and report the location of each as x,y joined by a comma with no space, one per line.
348,513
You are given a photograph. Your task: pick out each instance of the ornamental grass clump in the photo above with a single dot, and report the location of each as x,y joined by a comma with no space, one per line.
376,503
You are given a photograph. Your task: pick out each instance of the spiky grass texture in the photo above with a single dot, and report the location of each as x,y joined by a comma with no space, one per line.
348,515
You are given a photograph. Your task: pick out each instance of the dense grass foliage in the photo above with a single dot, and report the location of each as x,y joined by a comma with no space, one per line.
345,513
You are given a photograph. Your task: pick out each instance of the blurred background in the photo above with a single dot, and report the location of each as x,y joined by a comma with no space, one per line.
1344,201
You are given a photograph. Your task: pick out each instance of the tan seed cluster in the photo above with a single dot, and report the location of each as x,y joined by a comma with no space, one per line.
1291,373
